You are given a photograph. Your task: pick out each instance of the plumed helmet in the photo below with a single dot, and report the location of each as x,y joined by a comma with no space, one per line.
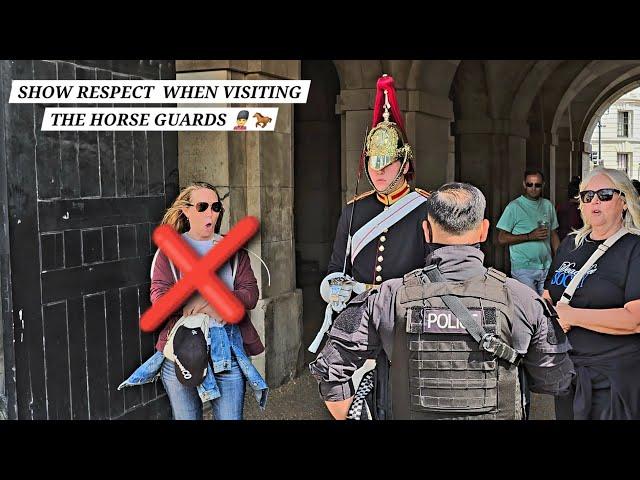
387,140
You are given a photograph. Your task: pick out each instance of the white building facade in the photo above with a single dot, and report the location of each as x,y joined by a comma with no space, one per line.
619,136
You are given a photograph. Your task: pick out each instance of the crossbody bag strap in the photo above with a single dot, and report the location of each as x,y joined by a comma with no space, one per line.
567,295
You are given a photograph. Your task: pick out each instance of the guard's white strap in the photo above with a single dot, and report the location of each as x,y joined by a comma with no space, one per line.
326,325
602,249
374,227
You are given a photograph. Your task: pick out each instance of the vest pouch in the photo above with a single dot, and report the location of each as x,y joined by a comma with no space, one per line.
448,371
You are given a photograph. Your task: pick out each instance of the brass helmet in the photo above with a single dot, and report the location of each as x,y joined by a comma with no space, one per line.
387,141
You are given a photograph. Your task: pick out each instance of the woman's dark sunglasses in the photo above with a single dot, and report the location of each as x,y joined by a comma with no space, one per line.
537,185
604,194
202,206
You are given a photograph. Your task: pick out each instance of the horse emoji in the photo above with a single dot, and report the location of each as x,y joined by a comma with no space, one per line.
261,120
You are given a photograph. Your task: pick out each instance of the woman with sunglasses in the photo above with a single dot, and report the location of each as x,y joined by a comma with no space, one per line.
197,214
602,319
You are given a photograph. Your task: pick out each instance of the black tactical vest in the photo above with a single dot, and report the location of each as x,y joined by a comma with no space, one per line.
438,371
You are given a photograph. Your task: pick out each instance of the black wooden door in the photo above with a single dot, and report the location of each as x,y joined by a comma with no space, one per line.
76,251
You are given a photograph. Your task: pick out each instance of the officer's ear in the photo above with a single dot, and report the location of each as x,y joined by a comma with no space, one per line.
484,230
427,231
406,168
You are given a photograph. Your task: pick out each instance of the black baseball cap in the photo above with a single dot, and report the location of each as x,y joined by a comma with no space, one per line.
190,350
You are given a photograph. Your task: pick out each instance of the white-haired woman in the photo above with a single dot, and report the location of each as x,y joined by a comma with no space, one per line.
602,319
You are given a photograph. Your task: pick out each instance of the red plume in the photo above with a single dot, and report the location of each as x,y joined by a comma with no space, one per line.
387,83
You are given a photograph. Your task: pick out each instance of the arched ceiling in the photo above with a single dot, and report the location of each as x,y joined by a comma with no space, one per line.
432,76
586,86
606,98
552,95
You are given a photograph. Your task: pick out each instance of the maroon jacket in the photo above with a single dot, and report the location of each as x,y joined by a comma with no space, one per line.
245,288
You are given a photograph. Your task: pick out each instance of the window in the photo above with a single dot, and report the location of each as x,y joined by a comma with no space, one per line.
623,162
623,123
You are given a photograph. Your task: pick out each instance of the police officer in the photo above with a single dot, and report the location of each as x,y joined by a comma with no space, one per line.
379,234
455,331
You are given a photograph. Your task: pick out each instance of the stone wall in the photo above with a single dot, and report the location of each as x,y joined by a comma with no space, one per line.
254,171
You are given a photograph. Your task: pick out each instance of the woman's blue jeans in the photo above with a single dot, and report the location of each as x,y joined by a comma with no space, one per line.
186,403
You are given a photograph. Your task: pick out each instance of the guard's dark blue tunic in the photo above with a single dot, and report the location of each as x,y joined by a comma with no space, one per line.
395,252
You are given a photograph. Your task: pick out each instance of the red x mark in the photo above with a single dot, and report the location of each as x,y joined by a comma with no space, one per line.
198,273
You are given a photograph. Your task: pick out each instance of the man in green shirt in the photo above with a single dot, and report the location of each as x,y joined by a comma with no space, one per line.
528,225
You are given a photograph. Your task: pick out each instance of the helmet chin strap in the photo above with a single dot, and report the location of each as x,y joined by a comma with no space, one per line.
395,183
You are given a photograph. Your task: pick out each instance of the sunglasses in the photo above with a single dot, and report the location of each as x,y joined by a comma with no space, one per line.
202,206
604,194
536,185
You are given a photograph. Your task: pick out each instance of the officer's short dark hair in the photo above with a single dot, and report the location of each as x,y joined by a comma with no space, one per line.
457,207
533,171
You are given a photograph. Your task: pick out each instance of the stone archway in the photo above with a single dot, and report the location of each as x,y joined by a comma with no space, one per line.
317,193
590,90
601,105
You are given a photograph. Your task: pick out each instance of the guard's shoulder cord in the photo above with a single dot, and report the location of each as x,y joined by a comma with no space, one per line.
422,192
360,197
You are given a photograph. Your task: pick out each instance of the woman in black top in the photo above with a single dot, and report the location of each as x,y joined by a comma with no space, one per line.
602,320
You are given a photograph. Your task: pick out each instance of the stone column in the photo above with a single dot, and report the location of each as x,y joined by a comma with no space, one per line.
428,123
540,151
536,151
255,169
491,155
581,157
355,108
561,170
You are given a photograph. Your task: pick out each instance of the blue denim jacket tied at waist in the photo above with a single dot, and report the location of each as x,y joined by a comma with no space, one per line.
224,340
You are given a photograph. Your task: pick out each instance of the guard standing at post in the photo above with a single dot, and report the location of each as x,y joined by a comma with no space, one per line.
379,234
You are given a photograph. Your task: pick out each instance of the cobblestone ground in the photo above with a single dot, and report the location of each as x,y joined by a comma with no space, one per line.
296,400
542,407
299,400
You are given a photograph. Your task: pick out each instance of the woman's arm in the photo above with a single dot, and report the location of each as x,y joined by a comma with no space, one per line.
555,241
162,280
161,277
614,321
245,285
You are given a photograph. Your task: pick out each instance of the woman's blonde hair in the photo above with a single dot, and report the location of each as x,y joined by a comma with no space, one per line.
174,216
631,220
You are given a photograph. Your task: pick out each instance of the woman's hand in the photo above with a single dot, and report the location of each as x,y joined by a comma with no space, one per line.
196,304
563,316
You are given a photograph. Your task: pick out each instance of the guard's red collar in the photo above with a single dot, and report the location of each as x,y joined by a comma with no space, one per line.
393,197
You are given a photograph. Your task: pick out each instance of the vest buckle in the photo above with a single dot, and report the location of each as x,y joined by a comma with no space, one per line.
488,343
492,344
